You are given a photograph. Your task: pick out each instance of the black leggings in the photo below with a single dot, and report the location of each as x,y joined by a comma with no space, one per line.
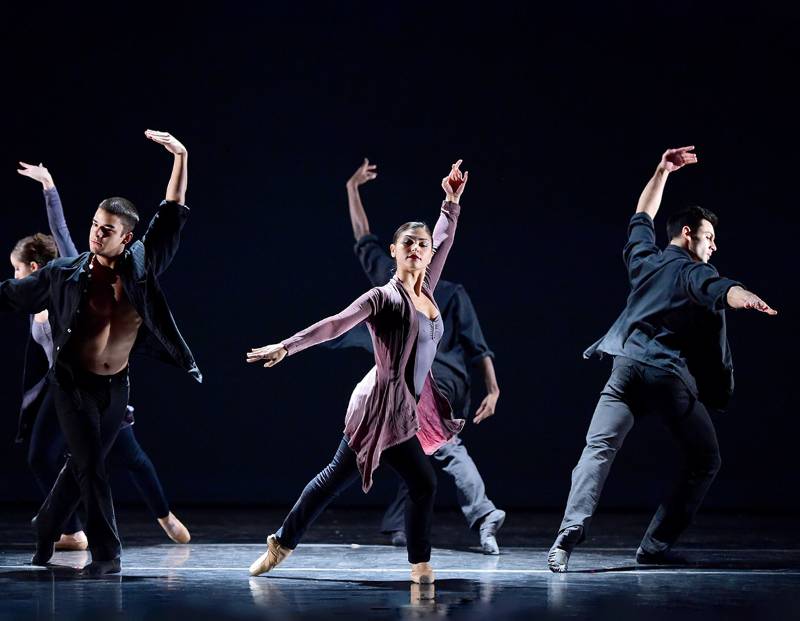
407,459
46,454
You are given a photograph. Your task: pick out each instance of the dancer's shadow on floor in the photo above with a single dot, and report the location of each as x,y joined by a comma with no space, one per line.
711,565
61,573
445,584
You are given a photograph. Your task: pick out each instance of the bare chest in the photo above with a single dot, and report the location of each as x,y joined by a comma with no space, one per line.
106,304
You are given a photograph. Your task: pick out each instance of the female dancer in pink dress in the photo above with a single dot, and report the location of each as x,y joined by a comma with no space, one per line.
396,414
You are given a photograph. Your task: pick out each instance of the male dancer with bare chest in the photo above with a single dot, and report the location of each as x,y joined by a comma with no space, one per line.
103,305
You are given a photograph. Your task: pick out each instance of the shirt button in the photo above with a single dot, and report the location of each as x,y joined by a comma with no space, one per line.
69,330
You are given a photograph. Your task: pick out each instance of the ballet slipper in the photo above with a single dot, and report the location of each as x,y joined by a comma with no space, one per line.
175,529
422,573
72,542
275,554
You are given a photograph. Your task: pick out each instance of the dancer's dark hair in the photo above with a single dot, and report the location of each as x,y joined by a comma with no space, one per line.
408,226
123,208
690,216
38,248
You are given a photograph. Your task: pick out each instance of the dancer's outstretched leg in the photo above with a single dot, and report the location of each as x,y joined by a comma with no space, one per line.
337,476
611,422
128,454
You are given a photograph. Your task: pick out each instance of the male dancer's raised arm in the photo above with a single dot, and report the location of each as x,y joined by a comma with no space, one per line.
162,237
671,160
376,263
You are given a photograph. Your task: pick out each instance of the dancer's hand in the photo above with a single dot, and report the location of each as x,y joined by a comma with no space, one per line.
171,144
675,159
487,407
739,297
273,354
453,184
37,173
365,172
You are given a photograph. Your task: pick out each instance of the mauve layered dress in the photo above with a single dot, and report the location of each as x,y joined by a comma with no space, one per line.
383,411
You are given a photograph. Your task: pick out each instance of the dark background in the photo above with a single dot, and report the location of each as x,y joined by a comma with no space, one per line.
560,115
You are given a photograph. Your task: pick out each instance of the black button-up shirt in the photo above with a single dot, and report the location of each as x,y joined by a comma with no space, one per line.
675,316
60,286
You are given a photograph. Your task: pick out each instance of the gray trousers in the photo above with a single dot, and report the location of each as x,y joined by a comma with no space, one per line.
470,490
633,390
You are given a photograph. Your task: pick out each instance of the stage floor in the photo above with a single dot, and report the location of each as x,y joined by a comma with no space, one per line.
740,566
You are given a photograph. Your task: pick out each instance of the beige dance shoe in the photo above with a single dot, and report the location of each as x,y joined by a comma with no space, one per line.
73,542
422,573
275,554
175,529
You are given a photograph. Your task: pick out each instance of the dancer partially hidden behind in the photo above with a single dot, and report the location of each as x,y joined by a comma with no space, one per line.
462,346
671,358
103,305
38,422
396,414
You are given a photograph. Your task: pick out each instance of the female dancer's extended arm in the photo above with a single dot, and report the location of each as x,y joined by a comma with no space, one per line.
55,212
329,328
453,186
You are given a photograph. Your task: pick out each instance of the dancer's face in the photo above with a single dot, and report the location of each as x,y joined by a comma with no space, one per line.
702,242
413,250
107,235
22,269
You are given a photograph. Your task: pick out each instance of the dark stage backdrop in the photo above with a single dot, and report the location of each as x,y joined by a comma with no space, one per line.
560,119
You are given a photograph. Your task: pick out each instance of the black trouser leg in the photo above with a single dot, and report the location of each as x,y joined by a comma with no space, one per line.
128,454
337,476
90,417
410,462
47,453
407,459
691,426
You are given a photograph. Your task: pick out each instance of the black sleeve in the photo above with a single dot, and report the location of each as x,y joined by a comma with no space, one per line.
641,242
376,263
163,235
28,295
706,287
470,334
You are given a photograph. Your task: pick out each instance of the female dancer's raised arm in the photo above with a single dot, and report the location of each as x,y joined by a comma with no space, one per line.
55,212
453,186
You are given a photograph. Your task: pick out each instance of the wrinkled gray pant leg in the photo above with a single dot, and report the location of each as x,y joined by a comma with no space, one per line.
470,489
611,422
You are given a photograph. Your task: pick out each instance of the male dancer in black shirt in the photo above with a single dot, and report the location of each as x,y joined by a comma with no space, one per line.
671,358
102,305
